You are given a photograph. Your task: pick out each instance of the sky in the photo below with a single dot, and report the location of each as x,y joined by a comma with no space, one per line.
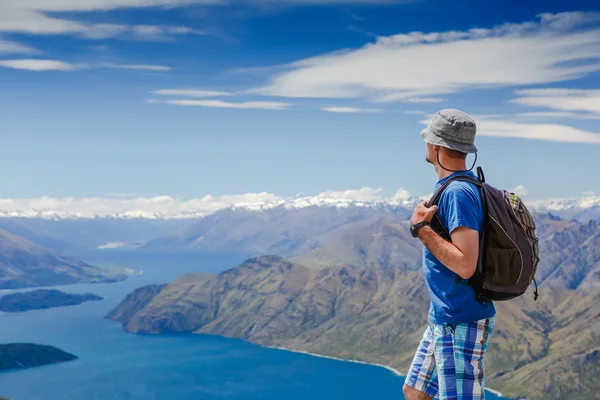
263,99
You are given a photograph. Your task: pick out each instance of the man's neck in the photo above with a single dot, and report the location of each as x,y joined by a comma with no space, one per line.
442,173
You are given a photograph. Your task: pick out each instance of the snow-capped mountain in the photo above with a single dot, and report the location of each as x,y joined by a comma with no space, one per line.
583,208
165,207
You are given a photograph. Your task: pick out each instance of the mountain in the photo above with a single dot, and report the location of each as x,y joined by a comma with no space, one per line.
72,234
581,209
25,355
42,299
570,253
280,230
371,314
358,296
286,227
24,264
383,241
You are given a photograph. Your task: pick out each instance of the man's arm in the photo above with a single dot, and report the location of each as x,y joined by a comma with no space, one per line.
460,255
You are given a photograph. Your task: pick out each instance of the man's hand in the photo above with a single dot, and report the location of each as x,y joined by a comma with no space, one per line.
423,213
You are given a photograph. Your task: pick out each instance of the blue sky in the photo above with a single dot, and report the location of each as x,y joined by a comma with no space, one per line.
187,98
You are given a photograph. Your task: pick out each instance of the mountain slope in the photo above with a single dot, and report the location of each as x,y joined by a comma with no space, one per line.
354,296
376,242
363,313
23,264
283,231
570,252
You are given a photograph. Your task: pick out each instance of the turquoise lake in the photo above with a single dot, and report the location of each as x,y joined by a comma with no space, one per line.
117,365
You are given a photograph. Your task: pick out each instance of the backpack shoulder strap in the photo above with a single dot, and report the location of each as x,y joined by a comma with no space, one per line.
438,193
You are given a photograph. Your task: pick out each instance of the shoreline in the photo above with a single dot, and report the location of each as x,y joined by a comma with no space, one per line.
393,370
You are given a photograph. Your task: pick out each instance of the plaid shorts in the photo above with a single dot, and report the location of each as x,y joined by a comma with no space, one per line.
449,361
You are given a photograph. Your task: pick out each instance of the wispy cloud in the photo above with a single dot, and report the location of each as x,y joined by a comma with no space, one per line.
56,65
258,105
137,67
351,110
190,93
9,47
424,100
20,19
567,101
547,132
105,5
559,114
39,65
556,47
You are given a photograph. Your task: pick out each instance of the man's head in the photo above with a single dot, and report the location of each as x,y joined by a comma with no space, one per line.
451,134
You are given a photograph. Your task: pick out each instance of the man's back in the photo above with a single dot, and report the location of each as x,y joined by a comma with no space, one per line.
449,360
453,302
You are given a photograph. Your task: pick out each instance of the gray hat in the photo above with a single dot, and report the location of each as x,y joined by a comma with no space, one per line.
452,129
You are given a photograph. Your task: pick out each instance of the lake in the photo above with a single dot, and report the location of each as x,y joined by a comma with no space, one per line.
117,365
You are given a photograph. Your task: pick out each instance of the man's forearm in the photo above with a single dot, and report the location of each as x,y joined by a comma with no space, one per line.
446,252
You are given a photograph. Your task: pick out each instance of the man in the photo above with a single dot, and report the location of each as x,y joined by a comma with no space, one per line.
449,360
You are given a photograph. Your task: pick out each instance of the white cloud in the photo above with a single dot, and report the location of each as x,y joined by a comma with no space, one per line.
520,191
55,65
150,207
129,205
589,193
401,195
403,66
488,126
415,112
35,22
580,100
138,67
263,105
559,114
39,65
350,110
547,132
424,100
104,5
362,194
34,16
9,47
190,93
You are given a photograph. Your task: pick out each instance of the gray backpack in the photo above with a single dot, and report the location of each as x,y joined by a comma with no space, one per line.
508,251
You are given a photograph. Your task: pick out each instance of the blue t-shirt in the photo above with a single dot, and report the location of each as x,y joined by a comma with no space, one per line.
454,302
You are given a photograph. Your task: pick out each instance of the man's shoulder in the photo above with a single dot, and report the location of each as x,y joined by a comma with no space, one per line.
460,190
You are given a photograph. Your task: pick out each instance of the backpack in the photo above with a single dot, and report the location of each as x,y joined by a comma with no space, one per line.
508,247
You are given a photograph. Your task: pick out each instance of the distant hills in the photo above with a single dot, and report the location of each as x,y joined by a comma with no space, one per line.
187,230
281,230
74,234
24,264
363,298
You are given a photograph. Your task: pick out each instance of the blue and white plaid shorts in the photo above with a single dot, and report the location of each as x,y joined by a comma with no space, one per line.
449,361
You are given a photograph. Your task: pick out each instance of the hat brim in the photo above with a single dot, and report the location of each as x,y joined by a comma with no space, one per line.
435,140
